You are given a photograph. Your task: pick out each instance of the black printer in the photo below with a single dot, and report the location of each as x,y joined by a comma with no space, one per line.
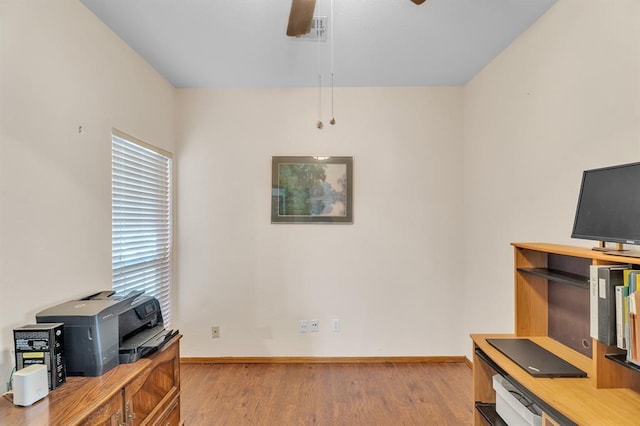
103,330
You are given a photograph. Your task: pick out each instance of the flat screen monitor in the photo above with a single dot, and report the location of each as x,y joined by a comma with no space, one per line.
609,205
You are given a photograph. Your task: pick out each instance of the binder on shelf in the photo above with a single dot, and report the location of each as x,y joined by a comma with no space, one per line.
630,281
608,279
633,350
593,298
622,291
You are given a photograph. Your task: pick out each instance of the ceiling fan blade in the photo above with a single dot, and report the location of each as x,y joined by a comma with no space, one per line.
300,17
418,1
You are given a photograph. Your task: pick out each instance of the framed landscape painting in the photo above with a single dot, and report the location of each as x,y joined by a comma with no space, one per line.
312,189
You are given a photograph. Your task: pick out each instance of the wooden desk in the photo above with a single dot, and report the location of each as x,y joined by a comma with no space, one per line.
551,289
146,392
575,398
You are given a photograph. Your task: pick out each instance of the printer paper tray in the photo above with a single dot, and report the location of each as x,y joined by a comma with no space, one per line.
144,343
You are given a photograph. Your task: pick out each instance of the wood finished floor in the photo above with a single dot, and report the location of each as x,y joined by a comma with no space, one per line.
326,394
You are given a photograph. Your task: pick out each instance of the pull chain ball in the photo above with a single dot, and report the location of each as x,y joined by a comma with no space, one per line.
319,125
333,121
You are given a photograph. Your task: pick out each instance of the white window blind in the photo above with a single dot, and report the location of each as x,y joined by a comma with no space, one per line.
142,220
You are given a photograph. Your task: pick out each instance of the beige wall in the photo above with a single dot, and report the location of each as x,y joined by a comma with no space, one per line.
564,97
61,68
391,277
421,267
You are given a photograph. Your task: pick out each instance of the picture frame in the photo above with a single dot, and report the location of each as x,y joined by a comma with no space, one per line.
312,189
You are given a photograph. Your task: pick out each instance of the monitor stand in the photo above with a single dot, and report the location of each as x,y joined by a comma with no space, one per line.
618,250
602,246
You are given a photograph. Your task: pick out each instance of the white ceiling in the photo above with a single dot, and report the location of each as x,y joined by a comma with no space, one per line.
242,43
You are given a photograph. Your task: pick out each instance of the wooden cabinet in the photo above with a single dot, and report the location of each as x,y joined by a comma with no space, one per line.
552,309
146,392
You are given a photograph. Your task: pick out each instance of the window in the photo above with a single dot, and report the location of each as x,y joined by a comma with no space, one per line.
141,220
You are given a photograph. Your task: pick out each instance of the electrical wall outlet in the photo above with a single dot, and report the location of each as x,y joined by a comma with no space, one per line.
313,325
215,332
304,326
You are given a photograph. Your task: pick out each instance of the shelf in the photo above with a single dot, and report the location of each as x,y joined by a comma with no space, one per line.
558,276
489,413
622,360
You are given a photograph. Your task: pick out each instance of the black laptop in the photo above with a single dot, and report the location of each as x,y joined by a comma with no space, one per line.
534,359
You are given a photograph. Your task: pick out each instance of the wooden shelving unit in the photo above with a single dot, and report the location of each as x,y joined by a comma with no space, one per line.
551,308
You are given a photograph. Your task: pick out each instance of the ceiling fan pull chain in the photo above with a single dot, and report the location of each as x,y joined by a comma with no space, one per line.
333,119
319,125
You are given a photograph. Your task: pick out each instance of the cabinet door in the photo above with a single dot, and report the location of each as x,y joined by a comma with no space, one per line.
108,414
150,395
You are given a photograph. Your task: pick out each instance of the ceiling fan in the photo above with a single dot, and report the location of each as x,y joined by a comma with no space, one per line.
301,16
